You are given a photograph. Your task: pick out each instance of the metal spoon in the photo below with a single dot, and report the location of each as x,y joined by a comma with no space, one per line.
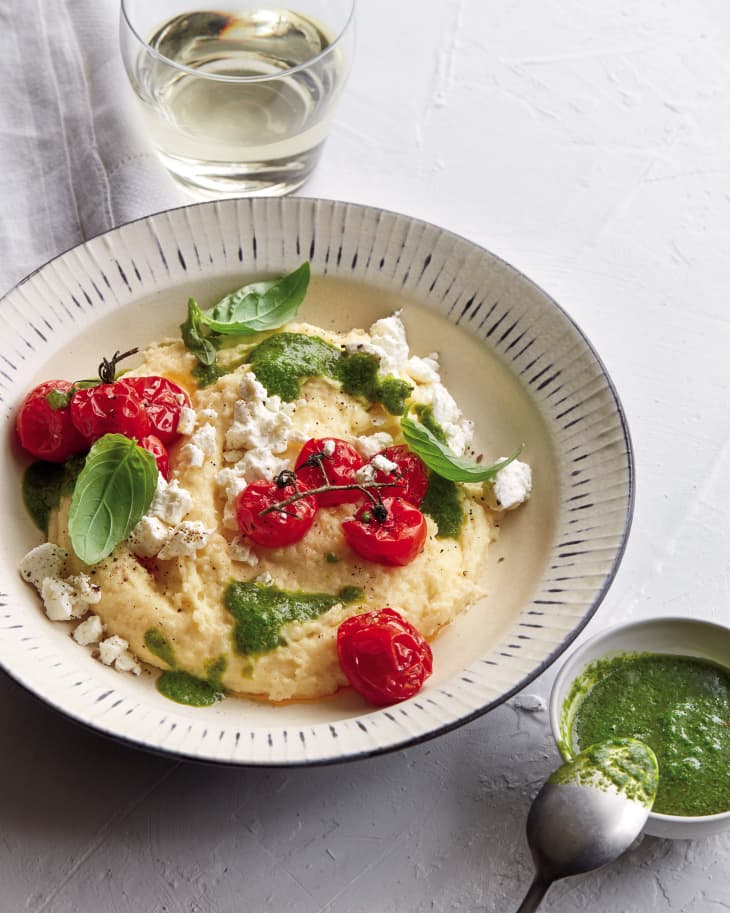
589,812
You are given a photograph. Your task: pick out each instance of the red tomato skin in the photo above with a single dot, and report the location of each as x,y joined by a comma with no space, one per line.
46,433
109,409
340,468
395,541
410,479
275,529
158,450
163,399
383,656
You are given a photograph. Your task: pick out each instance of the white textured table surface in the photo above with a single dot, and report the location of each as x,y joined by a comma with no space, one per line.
589,145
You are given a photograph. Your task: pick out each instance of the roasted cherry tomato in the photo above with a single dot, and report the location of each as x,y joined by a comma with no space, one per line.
392,532
108,409
383,656
162,400
340,462
158,450
280,525
410,479
44,425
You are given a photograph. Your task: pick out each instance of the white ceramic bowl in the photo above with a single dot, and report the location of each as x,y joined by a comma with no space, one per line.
514,361
683,636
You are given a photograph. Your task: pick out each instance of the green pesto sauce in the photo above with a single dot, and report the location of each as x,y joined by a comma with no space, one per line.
443,503
184,688
44,484
261,611
626,765
284,360
181,686
679,706
159,645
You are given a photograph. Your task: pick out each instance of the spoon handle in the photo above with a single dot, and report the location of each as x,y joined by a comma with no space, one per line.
534,896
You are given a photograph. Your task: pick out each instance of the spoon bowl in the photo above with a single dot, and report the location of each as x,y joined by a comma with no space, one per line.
589,812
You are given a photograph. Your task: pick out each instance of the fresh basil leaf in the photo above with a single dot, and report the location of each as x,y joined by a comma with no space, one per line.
194,336
260,306
112,493
441,460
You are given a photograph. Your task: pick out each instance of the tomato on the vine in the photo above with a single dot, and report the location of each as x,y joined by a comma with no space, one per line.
390,532
163,400
281,524
410,478
158,450
339,460
109,409
383,656
44,425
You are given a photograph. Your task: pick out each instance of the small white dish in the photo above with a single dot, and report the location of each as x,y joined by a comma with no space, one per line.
679,636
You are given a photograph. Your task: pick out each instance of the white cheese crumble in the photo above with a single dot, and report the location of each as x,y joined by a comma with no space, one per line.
186,539
58,598
148,537
368,445
365,473
512,485
458,430
205,438
328,447
192,455
260,421
43,561
186,420
171,502
383,464
114,651
89,631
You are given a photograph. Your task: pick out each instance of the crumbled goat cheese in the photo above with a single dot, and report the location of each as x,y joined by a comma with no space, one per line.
240,550
265,579
186,420
186,539
111,649
388,340
368,445
171,502
192,455
513,484
382,463
148,537
205,439
233,482
257,464
260,421
58,598
328,448
89,631
115,651
86,593
210,414
43,561
424,370
365,473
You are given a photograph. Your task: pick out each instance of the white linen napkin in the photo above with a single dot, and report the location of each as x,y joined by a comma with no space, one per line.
72,162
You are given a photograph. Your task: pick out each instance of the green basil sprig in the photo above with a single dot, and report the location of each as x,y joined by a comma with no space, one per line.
441,460
254,308
112,494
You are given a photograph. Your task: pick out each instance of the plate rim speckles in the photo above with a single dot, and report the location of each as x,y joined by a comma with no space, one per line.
524,327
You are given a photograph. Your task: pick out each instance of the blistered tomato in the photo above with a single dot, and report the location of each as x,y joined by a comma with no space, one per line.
409,478
158,450
44,425
330,461
383,656
392,532
109,409
162,399
266,521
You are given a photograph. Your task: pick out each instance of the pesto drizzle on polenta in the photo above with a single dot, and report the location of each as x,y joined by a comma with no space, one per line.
261,611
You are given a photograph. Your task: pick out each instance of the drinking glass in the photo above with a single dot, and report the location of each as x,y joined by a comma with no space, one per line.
239,101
